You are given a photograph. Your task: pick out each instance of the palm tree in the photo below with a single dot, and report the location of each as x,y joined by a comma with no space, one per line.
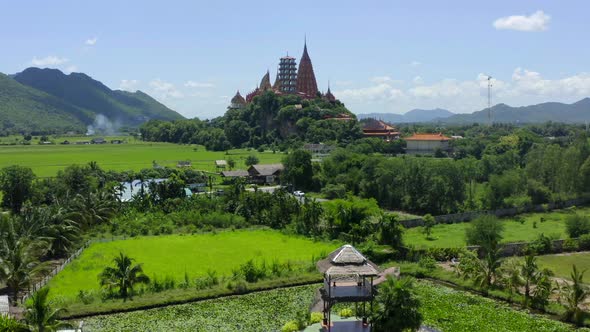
19,261
483,272
93,208
529,272
39,316
123,276
575,293
396,307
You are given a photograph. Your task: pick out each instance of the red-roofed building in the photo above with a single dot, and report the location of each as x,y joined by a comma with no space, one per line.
427,143
380,129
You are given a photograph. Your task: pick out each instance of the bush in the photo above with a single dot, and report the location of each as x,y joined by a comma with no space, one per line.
332,191
345,313
584,242
577,225
316,317
570,245
540,246
85,297
427,263
290,327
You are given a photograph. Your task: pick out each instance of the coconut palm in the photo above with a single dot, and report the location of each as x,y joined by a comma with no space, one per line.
575,293
39,316
396,307
124,275
93,208
19,260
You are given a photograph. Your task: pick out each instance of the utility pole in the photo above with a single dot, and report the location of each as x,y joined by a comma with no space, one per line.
490,100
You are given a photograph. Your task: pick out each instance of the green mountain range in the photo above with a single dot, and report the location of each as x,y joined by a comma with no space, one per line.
578,112
49,101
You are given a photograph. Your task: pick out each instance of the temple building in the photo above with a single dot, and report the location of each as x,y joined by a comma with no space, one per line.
380,129
291,79
237,101
427,143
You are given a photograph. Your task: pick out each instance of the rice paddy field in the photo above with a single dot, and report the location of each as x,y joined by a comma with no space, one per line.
453,235
195,255
47,160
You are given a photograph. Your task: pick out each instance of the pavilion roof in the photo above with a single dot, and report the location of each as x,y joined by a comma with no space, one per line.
346,260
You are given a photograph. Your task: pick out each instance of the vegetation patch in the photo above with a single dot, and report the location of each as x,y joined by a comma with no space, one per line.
263,311
174,259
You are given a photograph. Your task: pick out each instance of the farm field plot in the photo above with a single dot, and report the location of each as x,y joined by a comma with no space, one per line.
47,160
450,310
453,235
561,264
263,311
173,255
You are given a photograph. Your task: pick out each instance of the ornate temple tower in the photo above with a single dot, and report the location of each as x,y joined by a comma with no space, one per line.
238,102
265,82
306,83
287,76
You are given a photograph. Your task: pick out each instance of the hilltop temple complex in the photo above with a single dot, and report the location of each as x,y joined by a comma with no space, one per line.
290,79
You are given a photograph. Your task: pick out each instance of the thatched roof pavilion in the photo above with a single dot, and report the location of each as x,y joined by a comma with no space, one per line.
348,277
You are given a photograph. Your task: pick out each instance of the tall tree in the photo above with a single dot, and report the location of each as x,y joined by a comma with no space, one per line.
123,276
298,169
16,183
574,294
486,232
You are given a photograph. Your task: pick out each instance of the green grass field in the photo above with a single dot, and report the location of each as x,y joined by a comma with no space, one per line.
453,235
173,255
561,264
47,160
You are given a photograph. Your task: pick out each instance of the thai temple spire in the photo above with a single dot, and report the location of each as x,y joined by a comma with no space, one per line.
329,96
277,85
265,82
306,82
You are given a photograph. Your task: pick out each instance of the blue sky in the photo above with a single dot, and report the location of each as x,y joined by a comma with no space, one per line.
379,56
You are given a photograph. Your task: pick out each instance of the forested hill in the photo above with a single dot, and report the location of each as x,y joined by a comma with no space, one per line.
27,110
416,115
578,112
270,120
47,100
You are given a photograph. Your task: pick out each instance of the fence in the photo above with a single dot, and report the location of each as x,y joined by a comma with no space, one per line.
468,216
41,283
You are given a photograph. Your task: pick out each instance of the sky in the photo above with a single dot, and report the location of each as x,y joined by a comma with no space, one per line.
377,56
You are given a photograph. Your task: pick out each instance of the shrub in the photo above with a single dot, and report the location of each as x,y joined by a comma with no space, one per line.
345,313
316,317
85,297
290,327
427,263
577,225
541,245
251,272
570,245
584,242
332,191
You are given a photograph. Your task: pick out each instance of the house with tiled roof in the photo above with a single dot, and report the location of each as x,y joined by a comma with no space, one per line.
427,143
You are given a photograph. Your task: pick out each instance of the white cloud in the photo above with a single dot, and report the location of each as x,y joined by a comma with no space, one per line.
378,92
524,87
71,69
415,63
538,21
381,79
128,85
165,89
193,84
91,41
49,61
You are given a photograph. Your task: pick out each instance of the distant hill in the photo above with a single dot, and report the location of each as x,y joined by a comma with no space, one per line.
24,109
82,91
416,115
578,112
